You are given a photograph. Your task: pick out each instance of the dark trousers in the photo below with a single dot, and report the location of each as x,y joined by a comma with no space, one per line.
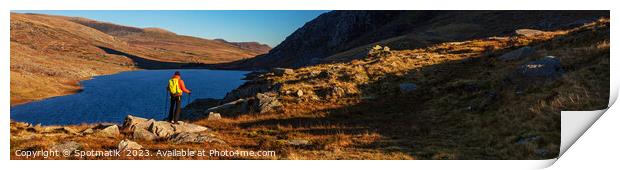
175,109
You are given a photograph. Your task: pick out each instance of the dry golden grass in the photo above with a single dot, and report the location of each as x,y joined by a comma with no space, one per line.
464,108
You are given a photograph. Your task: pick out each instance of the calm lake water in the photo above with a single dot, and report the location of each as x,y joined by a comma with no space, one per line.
111,98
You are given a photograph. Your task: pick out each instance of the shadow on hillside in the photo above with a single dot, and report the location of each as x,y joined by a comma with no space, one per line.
149,64
475,119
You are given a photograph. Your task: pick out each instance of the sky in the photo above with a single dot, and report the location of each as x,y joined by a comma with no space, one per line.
267,27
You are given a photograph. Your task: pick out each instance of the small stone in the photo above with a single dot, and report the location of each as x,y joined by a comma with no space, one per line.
282,71
299,93
128,145
298,142
87,131
65,147
214,116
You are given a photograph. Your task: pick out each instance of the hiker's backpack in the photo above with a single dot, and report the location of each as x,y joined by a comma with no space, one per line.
173,86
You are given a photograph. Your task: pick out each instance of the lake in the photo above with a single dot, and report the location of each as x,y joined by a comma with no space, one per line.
110,98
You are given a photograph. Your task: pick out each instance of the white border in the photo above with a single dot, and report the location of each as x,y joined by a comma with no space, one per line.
597,148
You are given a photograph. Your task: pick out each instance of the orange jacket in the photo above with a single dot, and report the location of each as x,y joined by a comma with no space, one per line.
181,83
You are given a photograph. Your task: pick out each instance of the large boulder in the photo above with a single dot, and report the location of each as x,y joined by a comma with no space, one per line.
543,69
143,134
194,138
108,130
162,129
128,145
231,108
518,54
188,128
132,123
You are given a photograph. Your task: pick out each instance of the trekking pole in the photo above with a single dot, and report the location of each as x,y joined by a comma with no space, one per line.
189,98
165,102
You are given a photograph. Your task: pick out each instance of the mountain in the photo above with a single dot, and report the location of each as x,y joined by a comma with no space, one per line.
50,54
496,97
345,35
168,46
252,46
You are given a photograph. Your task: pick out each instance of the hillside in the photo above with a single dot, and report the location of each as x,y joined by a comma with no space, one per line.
495,97
252,46
164,45
344,35
51,54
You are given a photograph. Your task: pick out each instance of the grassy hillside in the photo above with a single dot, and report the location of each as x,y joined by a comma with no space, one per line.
468,102
51,54
346,35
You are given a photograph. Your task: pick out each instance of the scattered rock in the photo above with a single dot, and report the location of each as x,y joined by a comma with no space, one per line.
109,131
282,71
162,129
266,103
299,93
128,145
68,146
193,138
407,87
518,54
214,116
379,50
143,134
297,142
529,32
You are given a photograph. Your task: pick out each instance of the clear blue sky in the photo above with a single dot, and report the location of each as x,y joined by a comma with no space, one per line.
268,27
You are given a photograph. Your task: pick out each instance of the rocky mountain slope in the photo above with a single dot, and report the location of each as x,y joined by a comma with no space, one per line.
346,35
495,97
50,54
